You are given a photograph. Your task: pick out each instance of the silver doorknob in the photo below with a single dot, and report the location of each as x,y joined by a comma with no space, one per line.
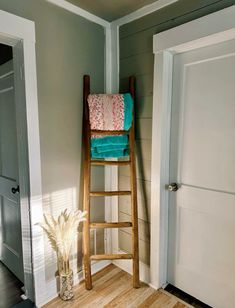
173,187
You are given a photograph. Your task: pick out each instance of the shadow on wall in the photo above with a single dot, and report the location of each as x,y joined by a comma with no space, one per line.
72,198
96,236
138,150
54,203
143,193
143,166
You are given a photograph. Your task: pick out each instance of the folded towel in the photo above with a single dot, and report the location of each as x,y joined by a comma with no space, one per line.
110,112
110,146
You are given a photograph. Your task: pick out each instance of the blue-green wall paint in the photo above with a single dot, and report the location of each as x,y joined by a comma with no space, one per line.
67,47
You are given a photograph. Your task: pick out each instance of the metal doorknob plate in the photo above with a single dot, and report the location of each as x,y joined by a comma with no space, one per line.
173,187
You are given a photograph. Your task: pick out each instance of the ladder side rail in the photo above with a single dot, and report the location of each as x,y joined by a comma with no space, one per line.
86,187
134,208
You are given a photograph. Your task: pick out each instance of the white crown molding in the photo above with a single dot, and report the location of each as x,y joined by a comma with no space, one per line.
78,11
112,35
148,9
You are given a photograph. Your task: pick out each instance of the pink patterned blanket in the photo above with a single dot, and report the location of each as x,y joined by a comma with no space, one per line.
106,111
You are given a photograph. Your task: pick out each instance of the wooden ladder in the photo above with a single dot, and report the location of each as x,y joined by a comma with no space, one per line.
87,133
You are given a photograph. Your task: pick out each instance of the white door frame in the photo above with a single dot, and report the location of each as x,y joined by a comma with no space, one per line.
20,34
208,30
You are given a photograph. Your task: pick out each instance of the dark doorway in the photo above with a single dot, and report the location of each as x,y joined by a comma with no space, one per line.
10,285
10,288
5,53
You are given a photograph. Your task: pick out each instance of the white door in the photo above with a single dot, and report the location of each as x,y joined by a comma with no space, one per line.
201,249
11,240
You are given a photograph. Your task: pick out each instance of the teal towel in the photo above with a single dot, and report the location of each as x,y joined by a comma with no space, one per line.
128,110
115,146
110,146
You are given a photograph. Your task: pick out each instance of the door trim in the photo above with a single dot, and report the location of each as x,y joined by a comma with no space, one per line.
20,34
208,30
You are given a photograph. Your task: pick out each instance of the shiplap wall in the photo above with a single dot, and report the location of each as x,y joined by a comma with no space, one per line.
136,58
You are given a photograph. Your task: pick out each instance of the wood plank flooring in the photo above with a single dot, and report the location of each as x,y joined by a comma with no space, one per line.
10,288
112,287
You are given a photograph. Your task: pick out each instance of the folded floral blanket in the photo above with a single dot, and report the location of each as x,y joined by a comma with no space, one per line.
110,112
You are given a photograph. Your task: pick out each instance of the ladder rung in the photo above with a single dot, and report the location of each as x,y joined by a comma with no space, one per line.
112,257
109,193
109,132
110,163
98,225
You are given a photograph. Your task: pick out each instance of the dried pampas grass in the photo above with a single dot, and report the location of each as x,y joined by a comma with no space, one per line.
61,232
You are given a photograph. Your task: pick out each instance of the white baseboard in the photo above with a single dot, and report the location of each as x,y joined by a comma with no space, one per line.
99,265
52,285
152,286
126,265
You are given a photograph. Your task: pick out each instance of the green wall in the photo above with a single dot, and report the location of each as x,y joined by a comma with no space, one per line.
67,47
136,58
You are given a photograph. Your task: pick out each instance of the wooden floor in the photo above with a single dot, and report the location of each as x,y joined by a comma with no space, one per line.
10,288
112,287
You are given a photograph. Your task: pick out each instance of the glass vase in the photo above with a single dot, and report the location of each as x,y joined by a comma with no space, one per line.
66,280
66,285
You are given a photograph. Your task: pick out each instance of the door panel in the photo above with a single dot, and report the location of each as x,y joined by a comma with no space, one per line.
10,215
9,164
207,120
11,239
201,250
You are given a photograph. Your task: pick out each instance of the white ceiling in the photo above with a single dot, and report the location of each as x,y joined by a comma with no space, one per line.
111,9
